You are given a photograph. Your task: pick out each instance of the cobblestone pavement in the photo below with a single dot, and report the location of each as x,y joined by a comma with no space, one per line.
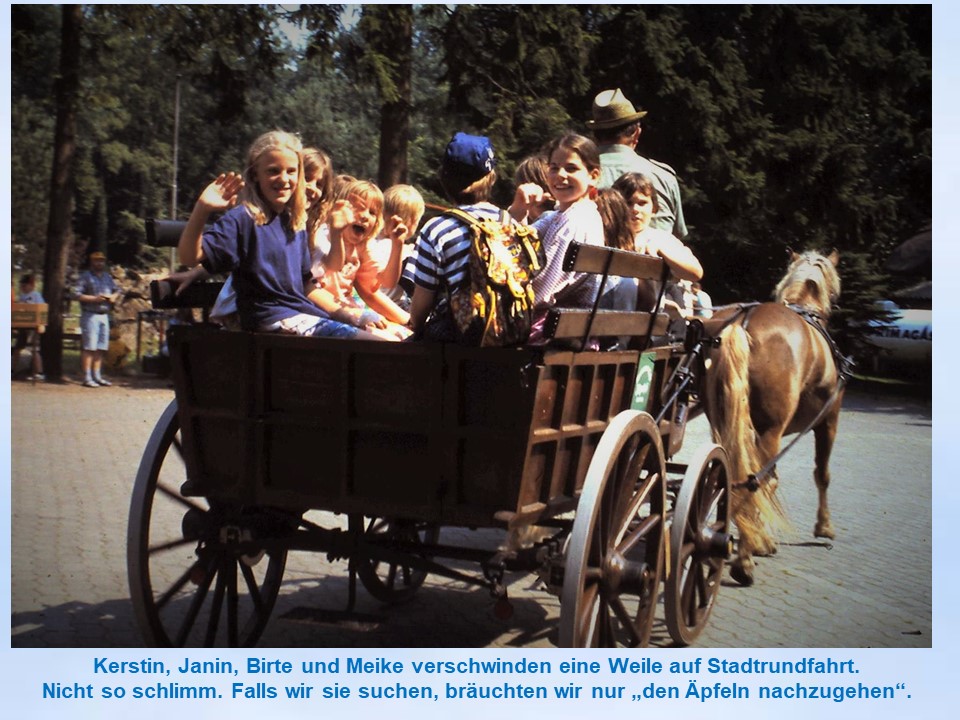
75,452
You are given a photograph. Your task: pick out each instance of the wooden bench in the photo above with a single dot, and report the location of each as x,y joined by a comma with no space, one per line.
26,317
583,323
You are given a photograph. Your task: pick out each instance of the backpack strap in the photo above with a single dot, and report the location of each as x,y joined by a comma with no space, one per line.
454,212
463,216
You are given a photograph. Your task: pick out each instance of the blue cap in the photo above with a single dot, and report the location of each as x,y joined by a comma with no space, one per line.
470,156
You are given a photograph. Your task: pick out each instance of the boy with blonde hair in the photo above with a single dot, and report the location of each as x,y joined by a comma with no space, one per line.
403,208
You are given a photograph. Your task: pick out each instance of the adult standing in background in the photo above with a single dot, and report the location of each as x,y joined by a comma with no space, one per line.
27,336
96,293
616,127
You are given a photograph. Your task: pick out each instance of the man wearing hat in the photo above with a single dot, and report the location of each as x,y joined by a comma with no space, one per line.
616,126
440,262
96,293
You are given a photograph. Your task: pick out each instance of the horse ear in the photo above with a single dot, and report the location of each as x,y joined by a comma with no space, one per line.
792,256
834,257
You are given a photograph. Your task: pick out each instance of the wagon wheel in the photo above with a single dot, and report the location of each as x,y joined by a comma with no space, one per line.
392,582
699,543
615,556
180,548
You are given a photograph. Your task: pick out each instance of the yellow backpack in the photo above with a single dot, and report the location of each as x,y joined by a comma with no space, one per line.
495,307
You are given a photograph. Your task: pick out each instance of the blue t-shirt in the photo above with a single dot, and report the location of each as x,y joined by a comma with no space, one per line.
270,265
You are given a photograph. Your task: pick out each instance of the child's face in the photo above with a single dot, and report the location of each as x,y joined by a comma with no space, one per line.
366,217
642,207
569,178
277,171
312,185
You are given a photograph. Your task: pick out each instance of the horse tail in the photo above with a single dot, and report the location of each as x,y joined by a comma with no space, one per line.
729,403
758,513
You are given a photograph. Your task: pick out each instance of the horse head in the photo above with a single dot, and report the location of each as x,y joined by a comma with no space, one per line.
811,281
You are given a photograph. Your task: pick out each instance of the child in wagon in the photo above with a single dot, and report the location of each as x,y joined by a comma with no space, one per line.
262,240
362,267
440,262
403,208
573,170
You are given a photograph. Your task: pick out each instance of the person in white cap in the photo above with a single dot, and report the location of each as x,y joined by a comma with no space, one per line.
616,126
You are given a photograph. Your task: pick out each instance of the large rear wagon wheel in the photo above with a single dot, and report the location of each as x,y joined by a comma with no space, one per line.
700,541
615,555
199,574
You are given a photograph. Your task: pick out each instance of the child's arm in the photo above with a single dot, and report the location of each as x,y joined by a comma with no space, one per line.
678,256
379,302
219,195
399,233
367,284
186,278
340,216
420,306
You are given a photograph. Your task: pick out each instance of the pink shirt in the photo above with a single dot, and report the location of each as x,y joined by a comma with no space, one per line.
361,267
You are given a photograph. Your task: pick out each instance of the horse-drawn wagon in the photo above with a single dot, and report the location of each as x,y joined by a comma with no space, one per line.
566,451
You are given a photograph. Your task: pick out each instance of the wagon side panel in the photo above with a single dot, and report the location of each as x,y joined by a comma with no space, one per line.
215,411
577,396
488,405
350,426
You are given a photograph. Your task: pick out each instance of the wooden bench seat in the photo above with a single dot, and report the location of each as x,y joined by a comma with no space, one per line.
570,323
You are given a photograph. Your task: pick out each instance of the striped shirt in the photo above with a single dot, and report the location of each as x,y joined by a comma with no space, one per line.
441,256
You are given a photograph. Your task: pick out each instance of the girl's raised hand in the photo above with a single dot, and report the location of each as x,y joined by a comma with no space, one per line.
526,196
529,194
341,215
223,192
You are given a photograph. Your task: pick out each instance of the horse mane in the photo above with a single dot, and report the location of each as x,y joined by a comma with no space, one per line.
811,281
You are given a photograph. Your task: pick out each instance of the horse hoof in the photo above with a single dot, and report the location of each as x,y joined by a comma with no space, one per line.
824,531
766,548
741,575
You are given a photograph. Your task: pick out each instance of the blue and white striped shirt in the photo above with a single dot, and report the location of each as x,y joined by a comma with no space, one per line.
441,255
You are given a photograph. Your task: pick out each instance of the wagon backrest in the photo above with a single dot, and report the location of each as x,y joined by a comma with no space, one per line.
163,293
580,323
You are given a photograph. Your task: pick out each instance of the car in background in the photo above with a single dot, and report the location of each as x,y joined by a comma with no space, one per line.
904,336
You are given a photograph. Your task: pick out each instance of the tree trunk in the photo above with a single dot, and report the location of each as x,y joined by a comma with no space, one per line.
59,225
395,114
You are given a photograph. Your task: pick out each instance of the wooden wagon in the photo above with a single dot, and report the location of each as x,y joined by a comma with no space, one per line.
565,451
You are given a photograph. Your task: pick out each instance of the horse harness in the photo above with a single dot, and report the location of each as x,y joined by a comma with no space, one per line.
843,363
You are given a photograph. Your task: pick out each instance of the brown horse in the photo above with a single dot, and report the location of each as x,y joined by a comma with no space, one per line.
773,374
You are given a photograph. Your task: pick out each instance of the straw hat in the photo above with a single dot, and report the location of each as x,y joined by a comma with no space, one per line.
611,109
97,255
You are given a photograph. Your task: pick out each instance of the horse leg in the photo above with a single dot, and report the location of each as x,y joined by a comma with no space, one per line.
824,435
768,445
752,537
744,516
